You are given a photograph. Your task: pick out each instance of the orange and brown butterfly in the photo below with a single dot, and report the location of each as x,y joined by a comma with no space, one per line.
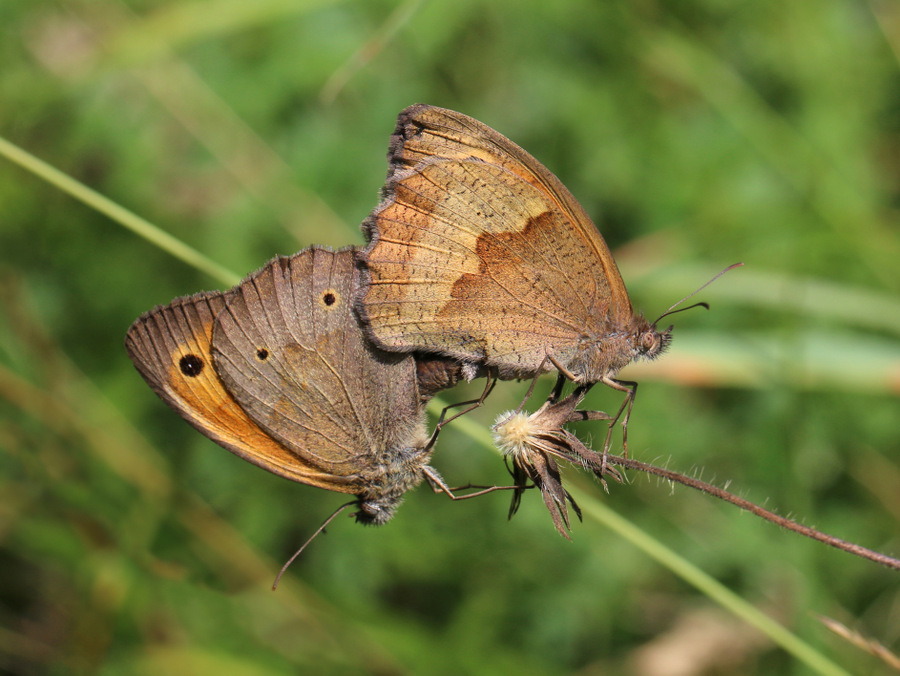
479,253
277,371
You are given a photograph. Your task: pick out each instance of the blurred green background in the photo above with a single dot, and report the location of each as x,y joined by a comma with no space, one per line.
697,134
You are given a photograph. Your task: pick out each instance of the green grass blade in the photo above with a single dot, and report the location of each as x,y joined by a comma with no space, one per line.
119,214
688,572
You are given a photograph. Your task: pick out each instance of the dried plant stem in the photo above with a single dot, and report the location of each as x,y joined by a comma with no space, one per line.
715,491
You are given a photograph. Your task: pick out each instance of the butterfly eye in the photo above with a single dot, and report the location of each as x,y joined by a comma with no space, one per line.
649,340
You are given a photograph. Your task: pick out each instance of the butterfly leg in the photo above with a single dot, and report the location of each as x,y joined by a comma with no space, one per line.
577,395
490,382
559,367
578,416
582,390
629,387
553,493
556,392
557,388
439,486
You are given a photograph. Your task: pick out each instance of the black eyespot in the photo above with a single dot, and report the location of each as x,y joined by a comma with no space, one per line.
262,354
191,365
328,298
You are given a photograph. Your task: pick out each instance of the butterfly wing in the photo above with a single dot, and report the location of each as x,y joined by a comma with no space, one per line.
427,132
170,346
288,347
477,251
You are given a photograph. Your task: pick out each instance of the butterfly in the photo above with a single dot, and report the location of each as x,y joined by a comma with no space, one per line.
278,372
479,253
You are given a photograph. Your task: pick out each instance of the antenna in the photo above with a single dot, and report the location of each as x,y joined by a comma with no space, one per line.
672,309
312,537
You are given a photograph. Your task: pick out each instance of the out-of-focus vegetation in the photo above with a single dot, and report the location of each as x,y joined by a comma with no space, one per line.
697,134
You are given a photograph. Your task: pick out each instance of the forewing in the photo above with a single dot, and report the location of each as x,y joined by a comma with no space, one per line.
427,132
470,260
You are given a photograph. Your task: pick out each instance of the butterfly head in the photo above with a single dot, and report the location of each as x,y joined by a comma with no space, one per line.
650,342
376,511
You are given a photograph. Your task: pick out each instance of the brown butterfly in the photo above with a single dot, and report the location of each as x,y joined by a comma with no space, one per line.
278,372
479,253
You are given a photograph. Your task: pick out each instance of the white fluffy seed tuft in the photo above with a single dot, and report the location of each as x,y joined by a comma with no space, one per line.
514,433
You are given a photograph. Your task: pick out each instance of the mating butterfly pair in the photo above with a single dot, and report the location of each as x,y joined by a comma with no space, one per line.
317,367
